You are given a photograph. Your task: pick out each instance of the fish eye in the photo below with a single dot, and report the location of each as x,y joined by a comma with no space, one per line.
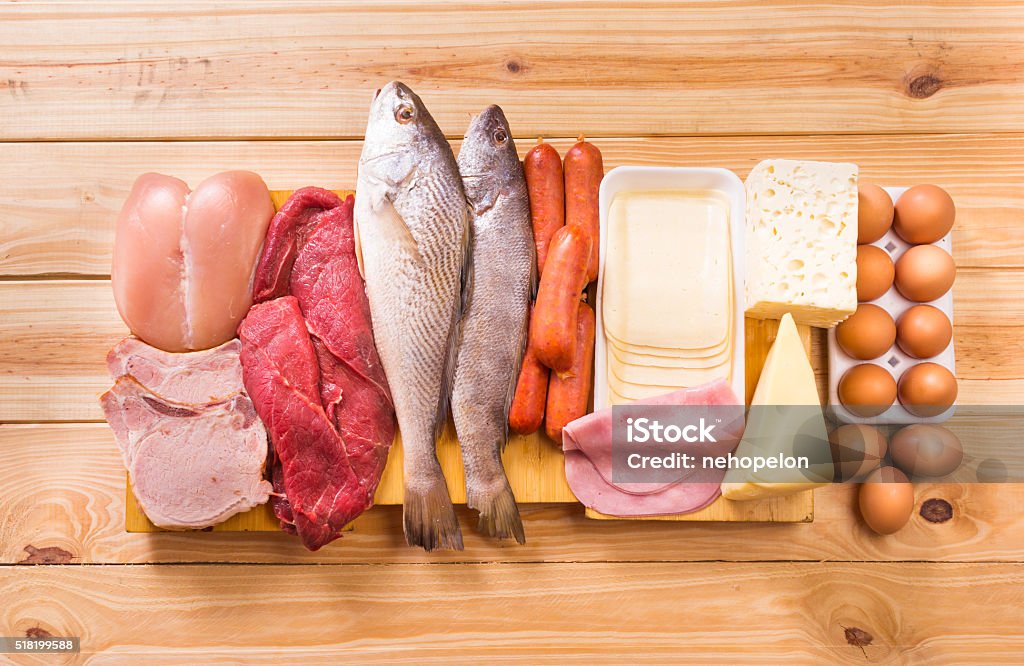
500,136
405,113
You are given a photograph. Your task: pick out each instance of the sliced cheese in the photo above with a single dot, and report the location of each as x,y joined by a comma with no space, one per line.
802,241
667,280
666,379
668,361
670,352
786,380
667,294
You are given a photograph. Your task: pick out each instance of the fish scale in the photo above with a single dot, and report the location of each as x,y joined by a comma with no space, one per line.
493,332
413,225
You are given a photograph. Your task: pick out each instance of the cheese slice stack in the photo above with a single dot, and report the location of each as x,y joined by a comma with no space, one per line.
667,304
797,428
802,241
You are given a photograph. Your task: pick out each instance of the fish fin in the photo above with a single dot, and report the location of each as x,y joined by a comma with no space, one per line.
481,193
358,242
455,334
393,227
517,367
430,520
499,514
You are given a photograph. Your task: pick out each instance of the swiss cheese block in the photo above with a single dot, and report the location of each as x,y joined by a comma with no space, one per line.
802,241
797,430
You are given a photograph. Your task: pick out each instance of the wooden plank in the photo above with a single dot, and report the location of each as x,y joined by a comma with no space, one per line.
633,612
62,489
55,335
533,464
277,69
60,220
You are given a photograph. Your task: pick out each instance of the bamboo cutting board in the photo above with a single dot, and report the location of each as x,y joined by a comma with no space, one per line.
535,466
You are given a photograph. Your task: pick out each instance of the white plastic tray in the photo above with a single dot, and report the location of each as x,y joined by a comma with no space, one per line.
648,179
895,361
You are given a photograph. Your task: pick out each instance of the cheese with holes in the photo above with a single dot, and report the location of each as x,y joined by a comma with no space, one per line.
785,419
802,241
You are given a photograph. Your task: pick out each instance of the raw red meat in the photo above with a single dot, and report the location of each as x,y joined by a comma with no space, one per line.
311,366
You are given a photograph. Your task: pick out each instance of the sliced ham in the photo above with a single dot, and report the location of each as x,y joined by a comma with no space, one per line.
184,260
587,443
188,433
213,375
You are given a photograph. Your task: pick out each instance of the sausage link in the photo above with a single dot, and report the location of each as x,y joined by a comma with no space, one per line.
584,169
553,328
569,393
527,410
543,168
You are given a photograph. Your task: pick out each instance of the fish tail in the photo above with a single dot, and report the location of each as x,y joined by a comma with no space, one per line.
499,515
430,520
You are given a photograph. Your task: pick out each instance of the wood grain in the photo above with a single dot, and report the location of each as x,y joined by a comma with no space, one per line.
55,335
59,220
712,612
63,489
277,69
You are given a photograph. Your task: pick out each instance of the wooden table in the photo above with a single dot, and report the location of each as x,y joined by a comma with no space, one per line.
90,98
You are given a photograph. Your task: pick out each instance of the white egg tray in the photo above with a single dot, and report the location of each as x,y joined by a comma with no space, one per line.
895,361
648,179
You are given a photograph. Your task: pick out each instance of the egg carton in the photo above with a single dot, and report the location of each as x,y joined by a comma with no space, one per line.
895,361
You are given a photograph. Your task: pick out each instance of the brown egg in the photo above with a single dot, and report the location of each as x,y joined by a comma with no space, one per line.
926,450
924,273
927,389
867,390
875,272
923,331
924,214
867,333
857,450
886,500
874,212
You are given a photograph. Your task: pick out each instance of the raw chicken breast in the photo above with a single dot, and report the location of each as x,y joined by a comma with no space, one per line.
183,261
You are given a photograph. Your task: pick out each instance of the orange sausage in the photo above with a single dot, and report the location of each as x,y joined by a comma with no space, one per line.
569,394
584,169
543,168
527,410
553,327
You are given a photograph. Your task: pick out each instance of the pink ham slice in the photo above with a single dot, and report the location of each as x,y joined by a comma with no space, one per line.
183,261
213,375
587,443
188,433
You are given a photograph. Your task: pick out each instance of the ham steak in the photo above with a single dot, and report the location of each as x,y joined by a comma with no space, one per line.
587,443
188,433
311,366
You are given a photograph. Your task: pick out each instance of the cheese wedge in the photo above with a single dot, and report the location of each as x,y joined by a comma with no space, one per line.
796,430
